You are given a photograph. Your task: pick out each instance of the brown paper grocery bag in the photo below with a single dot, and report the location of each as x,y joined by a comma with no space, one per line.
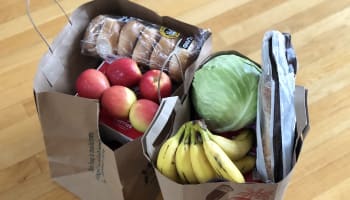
79,158
81,162
171,116
173,113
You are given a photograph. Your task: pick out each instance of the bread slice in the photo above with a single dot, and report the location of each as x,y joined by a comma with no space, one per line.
145,45
161,52
182,58
128,37
107,40
88,44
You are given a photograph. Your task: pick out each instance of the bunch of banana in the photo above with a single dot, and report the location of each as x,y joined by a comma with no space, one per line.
195,155
183,159
200,163
166,155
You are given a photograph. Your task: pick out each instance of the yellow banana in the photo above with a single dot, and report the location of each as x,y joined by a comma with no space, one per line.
236,148
246,164
200,164
183,159
166,155
221,163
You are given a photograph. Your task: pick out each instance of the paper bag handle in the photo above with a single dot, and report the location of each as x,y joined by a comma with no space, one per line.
157,126
36,27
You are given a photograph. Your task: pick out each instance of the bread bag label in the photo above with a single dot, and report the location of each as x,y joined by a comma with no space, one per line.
168,33
186,42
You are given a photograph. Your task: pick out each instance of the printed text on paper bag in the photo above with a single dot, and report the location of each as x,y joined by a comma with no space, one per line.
96,157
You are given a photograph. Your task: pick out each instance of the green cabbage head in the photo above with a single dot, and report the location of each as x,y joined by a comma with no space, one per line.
224,92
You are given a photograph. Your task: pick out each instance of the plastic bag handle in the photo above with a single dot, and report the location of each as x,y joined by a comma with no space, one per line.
36,27
162,69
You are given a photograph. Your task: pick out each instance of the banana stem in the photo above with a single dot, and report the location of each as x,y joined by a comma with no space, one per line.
193,136
204,134
244,134
199,126
180,132
186,139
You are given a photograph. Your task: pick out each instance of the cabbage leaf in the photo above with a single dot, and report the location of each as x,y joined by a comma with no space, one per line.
224,92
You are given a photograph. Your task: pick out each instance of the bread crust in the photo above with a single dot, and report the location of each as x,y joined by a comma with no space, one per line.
145,45
107,40
161,52
180,60
128,37
89,42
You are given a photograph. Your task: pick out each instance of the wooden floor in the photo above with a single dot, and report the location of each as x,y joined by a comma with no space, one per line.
321,36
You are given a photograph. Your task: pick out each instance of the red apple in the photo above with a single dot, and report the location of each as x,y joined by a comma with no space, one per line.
149,85
91,83
124,71
117,101
142,113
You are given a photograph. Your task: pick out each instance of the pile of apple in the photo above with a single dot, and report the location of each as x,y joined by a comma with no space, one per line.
124,92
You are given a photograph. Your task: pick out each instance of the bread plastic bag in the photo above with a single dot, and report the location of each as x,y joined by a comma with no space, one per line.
275,110
150,45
